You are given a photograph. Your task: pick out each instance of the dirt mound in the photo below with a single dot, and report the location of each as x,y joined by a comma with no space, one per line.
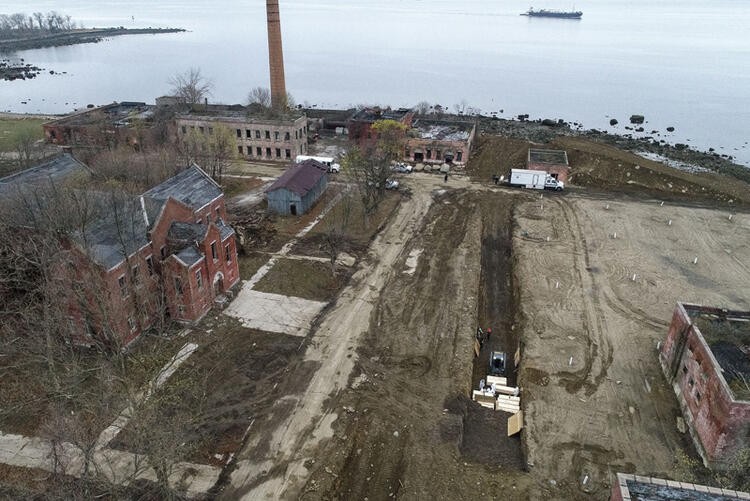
606,167
494,155
603,167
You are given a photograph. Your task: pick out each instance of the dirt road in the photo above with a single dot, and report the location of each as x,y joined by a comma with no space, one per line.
410,431
282,470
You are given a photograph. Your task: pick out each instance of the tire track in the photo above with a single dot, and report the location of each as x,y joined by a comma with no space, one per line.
599,349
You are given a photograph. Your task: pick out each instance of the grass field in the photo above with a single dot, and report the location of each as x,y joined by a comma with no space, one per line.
11,128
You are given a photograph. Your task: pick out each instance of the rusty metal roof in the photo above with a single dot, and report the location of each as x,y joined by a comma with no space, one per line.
300,178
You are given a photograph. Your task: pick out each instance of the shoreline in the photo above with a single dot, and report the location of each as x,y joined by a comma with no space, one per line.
679,156
76,37
537,131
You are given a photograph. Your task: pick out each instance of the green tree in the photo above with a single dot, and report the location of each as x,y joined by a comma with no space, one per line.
370,166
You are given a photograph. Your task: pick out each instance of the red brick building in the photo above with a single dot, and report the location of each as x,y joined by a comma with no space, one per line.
433,141
112,124
554,162
706,357
360,125
125,262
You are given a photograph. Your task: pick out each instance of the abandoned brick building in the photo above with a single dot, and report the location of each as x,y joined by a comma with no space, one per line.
116,123
706,358
554,162
426,140
360,124
258,135
435,141
125,261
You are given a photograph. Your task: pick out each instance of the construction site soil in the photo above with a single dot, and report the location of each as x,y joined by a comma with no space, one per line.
374,403
550,276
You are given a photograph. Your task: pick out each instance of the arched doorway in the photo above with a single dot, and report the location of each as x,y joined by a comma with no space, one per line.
218,284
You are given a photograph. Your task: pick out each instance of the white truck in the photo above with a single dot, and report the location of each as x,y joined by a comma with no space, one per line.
327,161
534,179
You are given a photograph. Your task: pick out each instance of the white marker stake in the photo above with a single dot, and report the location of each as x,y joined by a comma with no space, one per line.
570,362
607,207
730,217
661,204
614,235
633,279
695,261
548,239
557,285
669,223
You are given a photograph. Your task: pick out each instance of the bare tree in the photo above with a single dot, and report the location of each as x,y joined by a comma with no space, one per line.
461,107
25,146
336,231
213,149
260,96
422,108
191,87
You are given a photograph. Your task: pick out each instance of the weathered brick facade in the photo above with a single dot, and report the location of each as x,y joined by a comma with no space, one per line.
256,137
554,162
718,420
117,267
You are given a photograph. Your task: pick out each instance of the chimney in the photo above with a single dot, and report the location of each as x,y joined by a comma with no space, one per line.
275,55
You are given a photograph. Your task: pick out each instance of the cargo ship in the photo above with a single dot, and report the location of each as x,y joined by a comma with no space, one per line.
553,13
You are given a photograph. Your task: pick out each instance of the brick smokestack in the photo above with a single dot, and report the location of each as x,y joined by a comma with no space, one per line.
275,55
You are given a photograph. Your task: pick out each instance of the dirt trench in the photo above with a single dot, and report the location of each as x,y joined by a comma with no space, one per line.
409,429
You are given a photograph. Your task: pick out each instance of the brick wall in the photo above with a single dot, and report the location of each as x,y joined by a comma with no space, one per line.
718,423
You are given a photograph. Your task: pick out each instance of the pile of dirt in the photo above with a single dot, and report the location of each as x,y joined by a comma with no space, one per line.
495,155
604,167
254,226
546,131
609,168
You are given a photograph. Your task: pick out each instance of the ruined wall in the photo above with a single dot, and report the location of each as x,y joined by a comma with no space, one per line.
718,423
560,170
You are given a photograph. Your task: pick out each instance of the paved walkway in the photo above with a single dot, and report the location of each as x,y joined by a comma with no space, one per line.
119,467
274,312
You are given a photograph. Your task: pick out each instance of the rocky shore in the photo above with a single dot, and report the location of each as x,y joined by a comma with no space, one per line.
10,70
544,131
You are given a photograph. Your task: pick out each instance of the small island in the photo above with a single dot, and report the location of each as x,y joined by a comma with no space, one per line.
24,32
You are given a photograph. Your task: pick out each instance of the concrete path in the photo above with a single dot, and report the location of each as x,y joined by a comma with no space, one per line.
120,467
123,419
274,312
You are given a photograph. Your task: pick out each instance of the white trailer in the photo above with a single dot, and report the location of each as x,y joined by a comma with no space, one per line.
532,179
327,161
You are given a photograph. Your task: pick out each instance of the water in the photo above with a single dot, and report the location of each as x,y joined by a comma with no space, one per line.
681,63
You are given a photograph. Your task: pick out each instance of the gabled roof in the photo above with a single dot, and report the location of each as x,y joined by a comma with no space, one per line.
193,187
300,178
52,171
116,229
